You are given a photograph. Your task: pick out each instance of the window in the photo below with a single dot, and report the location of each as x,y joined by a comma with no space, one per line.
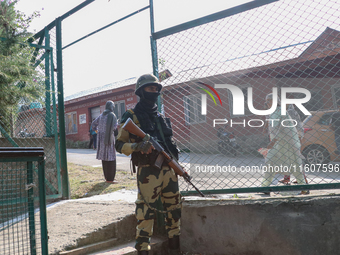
246,109
95,112
193,109
119,109
71,123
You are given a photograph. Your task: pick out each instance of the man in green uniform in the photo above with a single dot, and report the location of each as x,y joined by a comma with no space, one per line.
152,182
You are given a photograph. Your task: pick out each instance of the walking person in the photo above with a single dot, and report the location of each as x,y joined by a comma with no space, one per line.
153,183
283,149
105,125
93,137
293,114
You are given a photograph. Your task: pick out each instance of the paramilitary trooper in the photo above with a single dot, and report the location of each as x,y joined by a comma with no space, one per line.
152,182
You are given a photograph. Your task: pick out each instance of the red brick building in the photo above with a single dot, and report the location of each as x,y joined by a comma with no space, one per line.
313,65
81,110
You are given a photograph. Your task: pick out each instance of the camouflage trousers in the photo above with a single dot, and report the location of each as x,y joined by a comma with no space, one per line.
152,184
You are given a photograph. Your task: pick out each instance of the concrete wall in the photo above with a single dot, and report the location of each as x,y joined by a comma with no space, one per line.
287,226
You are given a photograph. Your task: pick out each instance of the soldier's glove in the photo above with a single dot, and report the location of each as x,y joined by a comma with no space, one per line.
143,146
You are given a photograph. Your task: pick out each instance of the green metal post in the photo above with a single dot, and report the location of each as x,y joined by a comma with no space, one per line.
64,16
36,51
8,137
55,126
212,17
160,216
47,87
153,42
42,203
30,204
63,159
154,51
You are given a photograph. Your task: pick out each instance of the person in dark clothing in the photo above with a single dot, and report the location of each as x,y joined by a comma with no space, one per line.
93,137
105,125
335,124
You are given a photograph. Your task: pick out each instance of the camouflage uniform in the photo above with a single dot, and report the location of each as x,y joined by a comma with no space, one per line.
152,184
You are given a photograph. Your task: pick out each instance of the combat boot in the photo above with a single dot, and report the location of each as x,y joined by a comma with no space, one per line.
174,246
143,252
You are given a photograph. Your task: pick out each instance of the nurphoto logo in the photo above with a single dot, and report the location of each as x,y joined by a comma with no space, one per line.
238,103
204,97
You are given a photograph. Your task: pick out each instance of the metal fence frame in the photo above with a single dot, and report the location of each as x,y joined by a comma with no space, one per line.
29,156
57,24
45,57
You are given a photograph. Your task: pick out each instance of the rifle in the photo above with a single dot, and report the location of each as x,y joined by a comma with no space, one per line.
132,128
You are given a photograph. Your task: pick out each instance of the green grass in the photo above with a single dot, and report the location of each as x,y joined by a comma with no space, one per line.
87,181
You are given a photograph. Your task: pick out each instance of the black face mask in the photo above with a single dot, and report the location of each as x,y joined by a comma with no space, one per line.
151,97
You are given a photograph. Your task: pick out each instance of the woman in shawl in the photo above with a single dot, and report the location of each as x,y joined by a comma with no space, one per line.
284,147
105,125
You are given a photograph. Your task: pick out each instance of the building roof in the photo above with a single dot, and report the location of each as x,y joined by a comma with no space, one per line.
100,89
327,44
240,64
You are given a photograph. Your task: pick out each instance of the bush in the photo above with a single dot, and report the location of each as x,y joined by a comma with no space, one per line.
77,144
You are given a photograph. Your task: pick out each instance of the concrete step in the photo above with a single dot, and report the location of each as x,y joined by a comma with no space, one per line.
87,249
158,247
117,232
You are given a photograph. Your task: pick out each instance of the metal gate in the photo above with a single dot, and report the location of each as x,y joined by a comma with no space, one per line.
220,70
23,226
36,123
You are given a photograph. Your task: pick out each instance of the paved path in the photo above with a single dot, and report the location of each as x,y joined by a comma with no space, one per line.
196,165
87,157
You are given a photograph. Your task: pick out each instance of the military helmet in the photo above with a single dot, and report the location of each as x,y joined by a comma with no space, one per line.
147,80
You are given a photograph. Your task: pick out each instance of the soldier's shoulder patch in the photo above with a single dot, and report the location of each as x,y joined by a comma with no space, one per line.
127,115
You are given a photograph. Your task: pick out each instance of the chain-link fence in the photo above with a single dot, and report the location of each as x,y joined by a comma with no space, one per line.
23,227
222,71
34,123
219,70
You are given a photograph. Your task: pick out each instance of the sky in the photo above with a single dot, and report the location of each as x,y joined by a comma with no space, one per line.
121,51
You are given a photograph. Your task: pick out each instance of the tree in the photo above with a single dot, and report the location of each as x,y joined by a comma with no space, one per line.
18,77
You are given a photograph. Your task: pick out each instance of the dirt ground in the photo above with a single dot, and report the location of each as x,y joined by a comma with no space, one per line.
71,221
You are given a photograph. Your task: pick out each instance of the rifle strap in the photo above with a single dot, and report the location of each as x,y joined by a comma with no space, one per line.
132,167
159,127
135,120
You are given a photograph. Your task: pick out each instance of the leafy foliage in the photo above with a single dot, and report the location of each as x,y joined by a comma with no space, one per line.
18,77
